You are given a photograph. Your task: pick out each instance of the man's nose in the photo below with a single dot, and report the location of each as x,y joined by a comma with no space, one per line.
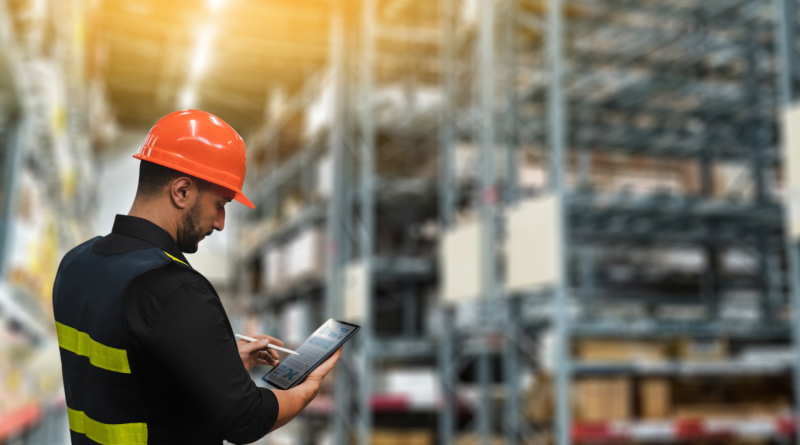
219,222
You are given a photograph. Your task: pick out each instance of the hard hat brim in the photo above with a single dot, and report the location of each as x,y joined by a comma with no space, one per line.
243,199
239,195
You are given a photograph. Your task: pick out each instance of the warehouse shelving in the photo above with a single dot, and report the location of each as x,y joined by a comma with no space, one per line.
623,100
47,192
693,82
783,427
397,268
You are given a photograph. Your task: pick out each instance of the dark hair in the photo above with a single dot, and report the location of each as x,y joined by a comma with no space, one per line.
153,178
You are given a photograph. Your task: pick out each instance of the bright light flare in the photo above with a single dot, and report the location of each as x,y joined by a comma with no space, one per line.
188,98
215,5
202,54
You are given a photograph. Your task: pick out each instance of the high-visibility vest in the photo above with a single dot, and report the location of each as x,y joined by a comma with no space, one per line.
103,399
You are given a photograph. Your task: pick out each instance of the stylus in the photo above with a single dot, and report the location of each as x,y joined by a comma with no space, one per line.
250,339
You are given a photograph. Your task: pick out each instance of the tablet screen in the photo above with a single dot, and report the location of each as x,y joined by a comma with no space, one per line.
322,343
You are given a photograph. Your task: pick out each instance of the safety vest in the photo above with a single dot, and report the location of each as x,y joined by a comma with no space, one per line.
103,400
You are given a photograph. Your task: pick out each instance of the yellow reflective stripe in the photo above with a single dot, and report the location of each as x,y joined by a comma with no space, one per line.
100,355
176,259
107,434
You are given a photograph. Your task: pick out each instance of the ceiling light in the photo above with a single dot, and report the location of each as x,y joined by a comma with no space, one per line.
215,5
202,52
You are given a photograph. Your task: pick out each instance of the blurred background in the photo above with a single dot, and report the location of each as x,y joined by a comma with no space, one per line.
557,221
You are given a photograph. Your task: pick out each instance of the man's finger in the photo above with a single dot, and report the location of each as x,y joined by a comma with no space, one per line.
276,342
272,340
254,346
326,366
264,355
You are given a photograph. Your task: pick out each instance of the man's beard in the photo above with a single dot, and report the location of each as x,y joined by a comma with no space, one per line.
189,231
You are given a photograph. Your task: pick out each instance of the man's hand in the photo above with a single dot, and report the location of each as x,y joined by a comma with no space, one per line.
256,353
292,401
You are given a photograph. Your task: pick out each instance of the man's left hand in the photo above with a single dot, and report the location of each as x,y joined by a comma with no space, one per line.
256,353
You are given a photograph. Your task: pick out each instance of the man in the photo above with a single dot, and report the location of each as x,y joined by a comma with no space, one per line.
147,351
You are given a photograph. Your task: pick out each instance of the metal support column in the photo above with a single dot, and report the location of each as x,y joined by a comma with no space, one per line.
511,366
557,140
447,375
447,188
786,16
447,205
335,212
512,117
12,159
487,199
367,218
511,370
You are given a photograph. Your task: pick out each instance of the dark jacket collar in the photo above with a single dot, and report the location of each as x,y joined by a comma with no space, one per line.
147,231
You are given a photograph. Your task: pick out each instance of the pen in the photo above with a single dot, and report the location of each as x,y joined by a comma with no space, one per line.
245,338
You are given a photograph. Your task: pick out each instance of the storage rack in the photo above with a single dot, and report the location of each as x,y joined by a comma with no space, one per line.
578,98
45,134
786,78
348,142
507,82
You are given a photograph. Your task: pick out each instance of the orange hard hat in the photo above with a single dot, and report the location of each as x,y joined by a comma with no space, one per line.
199,144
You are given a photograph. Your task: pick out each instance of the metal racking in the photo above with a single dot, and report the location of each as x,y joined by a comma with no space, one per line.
567,82
46,151
362,196
577,84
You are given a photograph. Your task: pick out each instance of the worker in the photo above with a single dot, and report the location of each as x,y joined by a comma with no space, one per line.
147,351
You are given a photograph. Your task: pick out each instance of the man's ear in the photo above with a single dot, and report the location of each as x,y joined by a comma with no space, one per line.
180,191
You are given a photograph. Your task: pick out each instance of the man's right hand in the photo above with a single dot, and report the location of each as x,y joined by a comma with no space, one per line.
292,401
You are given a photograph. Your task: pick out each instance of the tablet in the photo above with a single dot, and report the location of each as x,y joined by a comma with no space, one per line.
317,348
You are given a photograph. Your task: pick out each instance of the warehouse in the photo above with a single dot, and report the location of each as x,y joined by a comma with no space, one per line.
555,221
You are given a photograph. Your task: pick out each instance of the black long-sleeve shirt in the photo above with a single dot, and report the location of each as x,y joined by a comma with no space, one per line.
182,351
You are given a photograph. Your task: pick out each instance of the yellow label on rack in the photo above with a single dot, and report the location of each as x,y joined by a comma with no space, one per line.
100,355
107,434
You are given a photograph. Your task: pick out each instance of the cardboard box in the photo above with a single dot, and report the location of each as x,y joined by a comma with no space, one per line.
729,411
693,349
401,437
603,350
474,439
602,399
539,399
655,398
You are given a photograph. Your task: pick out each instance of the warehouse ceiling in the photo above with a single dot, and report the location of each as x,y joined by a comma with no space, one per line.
222,56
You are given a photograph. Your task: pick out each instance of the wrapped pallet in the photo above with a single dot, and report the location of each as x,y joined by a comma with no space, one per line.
273,268
307,254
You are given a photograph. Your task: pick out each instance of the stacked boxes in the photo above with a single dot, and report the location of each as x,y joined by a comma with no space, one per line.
692,349
602,350
603,399
401,437
300,258
655,398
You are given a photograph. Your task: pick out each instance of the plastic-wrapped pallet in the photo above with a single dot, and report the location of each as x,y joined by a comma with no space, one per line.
273,268
307,254
324,176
